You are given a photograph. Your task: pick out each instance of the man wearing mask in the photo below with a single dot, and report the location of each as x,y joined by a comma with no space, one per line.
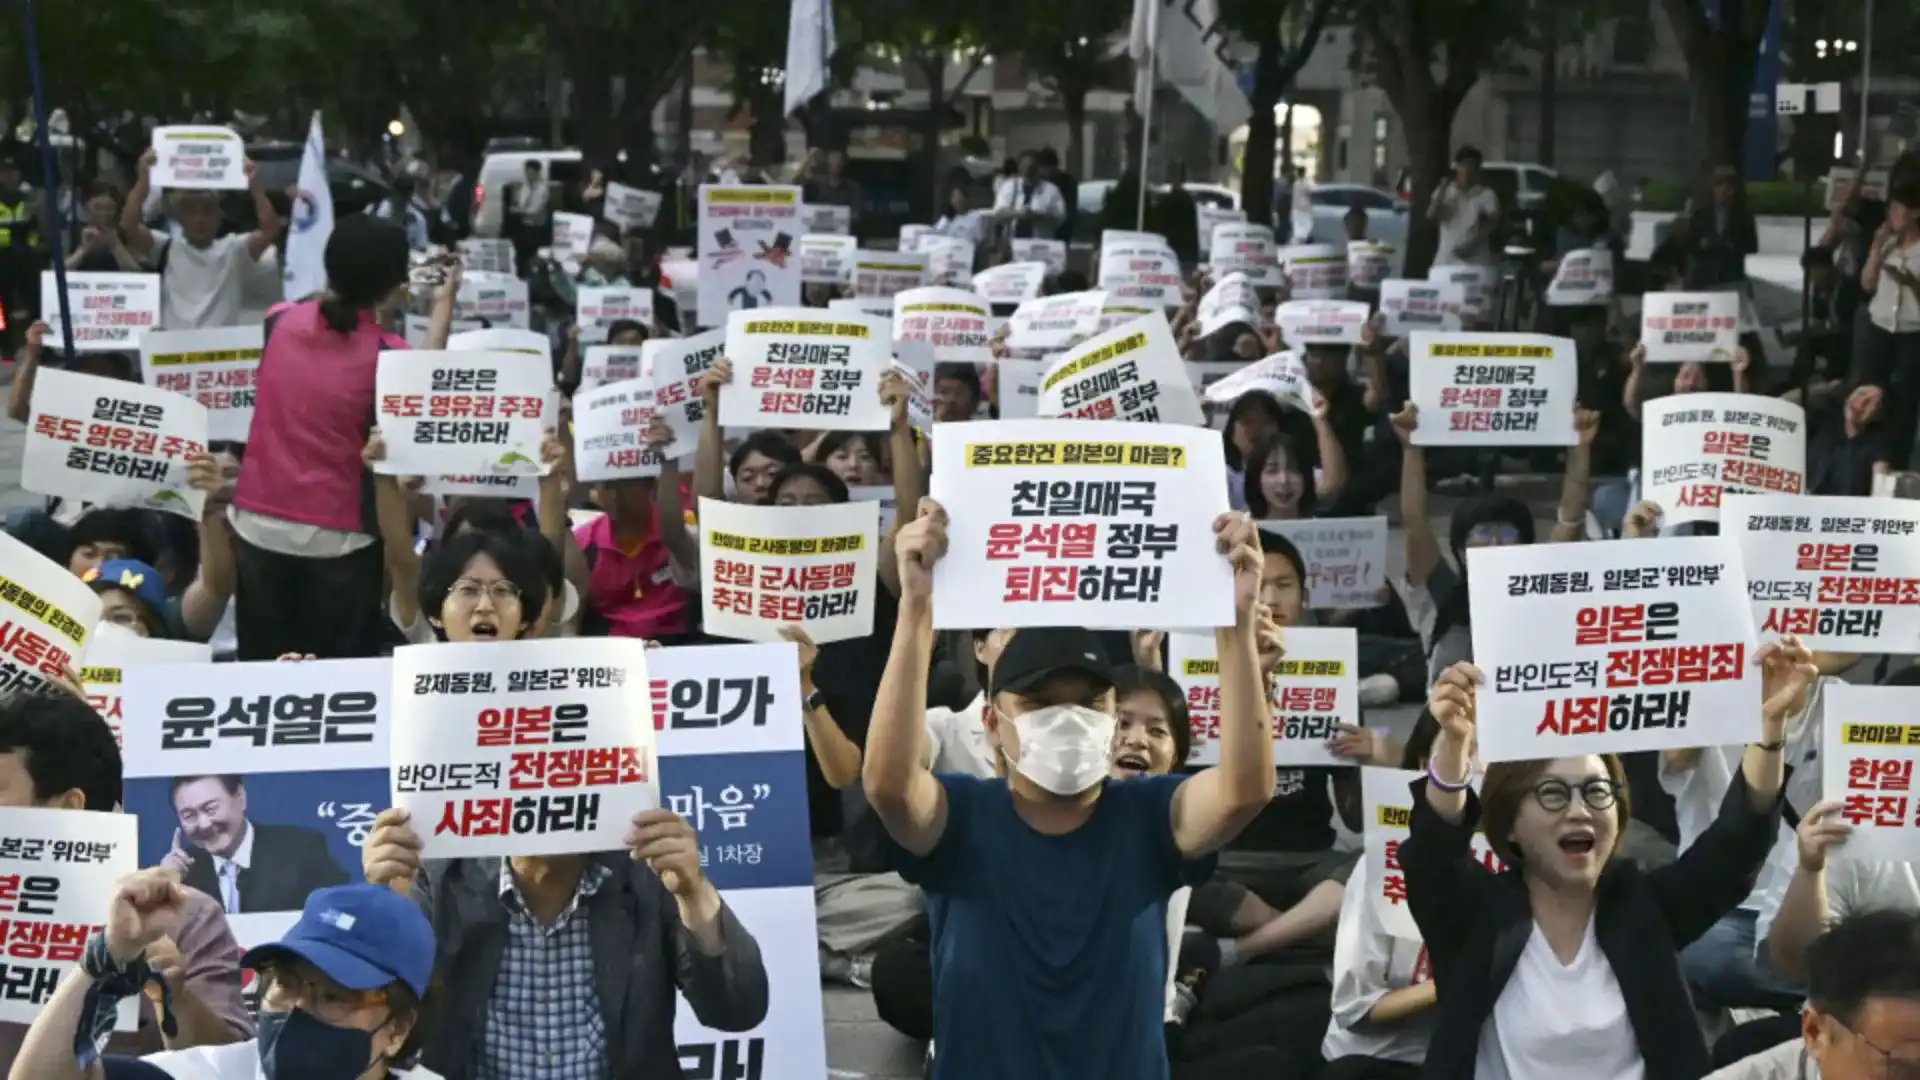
1034,206
203,275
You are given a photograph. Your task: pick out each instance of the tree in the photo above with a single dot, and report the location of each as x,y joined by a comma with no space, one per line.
1278,60
1066,43
1721,53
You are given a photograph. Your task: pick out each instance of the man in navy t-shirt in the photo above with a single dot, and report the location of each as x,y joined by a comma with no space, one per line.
1046,889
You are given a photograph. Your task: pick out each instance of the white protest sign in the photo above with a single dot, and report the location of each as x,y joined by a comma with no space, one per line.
1053,253
1346,559
952,321
827,260
911,235
217,368
1842,574
863,305
1490,389
1209,217
1139,270
1132,372
1282,375
109,310
949,259
501,300
600,307
47,616
1421,305
452,413
767,567
414,329
1677,328
1010,283
610,434
1103,524
1694,447
826,220
1017,388
1607,648
113,443
1316,271
1584,277
527,342
1476,283
1239,247
1315,688
1869,742
747,234
572,237
486,487
554,758
631,207
602,365
887,273
198,157
1056,322
1322,322
1387,809
484,254
802,368
885,505
1369,262
676,366
114,650
1232,299
58,866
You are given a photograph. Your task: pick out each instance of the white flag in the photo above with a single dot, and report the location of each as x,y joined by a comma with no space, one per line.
1190,54
306,265
809,44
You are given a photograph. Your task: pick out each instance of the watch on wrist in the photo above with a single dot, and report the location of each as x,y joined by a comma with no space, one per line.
814,700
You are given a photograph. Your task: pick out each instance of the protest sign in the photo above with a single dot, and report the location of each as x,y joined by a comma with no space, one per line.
1232,299
1209,217
631,207
887,273
949,259
1051,252
1678,328
452,413
414,329
1584,277
676,365
1240,247
604,365
827,260
1842,574
1010,283
1421,305
1132,372
1315,688
1103,524
1113,315
1694,447
733,764
863,305
542,747
800,368
1387,815
1369,262
109,310
490,255
1056,322
747,234
1315,271
58,868
600,307
1017,386
767,567
1322,322
610,434
572,237
1476,284
47,616
217,368
1346,559
527,342
493,299
1606,648
826,220
952,321
113,443
1489,389
1139,270
114,650
1282,375
198,157
486,487
885,505
911,235
1869,742
281,766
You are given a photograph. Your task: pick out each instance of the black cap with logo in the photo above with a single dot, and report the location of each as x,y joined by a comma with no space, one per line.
1038,653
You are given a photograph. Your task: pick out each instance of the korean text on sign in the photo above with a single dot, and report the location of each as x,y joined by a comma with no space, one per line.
113,443
218,368
1604,648
803,368
1238,247
1584,277
1056,322
1842,574
1677,328
57,869
610,434
630,207
599,308
1486,389
453,413
1369,262
952,321
47,616
1387,807
109,310
675,365
766,567
887,273
827,260
603,365
1346,559
499,299
1407,306
1869,742
747,236
1316,271
1139,269
1091,523
1315,689
1051,252
260,717
1322,322
114,650
522,748
1476,283
1010,283
1694,447
198,157
1132,372
1283,375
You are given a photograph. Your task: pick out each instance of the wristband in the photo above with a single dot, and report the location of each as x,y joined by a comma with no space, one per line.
1447,786
1772,747
113,983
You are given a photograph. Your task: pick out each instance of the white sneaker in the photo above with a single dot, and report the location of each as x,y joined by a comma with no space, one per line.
1378,691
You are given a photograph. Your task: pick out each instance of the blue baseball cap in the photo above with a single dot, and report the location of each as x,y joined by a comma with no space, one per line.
360,936
137,578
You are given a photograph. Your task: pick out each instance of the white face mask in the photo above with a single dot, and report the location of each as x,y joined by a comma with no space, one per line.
1064,748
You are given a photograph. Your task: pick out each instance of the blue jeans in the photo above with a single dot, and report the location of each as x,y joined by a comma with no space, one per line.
1723,971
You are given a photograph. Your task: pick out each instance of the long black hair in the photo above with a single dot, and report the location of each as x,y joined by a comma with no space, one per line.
1256,400
1263,451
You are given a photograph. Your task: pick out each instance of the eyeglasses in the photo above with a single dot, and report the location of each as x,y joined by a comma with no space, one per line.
467,591
1896,1068
1554,794
327,1000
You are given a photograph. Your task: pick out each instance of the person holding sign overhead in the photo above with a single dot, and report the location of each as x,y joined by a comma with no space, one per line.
203,275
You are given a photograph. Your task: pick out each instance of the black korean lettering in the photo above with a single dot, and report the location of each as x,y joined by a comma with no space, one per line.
188,724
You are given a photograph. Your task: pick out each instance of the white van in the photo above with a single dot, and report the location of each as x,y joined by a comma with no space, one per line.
499,171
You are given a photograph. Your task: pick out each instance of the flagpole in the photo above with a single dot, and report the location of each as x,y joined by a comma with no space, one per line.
1146,114
54,229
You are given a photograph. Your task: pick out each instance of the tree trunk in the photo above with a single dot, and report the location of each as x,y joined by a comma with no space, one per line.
1256,168
1429,132
1073,100
1720,90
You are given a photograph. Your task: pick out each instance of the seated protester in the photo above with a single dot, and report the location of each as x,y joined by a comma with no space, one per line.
205,611
1862,1019
483,585
643,566
1341,422
853,456
1254,418
1046,890
106,534
342,993
1824,889
957,740
751,466
1435,591
132,596
1566,963
956,393
568,965
625,333
1849,443
1688,378
1281,486
58,753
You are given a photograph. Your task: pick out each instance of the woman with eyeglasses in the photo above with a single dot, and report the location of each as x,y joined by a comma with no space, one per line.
1566,963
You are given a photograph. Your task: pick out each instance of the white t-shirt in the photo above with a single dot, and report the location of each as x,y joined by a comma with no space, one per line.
237,1061
1564,1021
1893,306
1788,1061
958,739
1853,885
1470,217
204,288
1368,963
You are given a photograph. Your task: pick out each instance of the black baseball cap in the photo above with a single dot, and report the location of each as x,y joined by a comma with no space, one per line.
1038,653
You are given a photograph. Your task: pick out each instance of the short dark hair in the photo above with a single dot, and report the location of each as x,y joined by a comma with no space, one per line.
64,744
1508,784
106,525
1256,464
233,782
963,374
1128,678
1873,954
1466,154
1272,543
622,326
766,444
1906,193
820,474
514,555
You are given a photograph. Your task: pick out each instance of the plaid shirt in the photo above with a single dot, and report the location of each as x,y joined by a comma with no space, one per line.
543,1016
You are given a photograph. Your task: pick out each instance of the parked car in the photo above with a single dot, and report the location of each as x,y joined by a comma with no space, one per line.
499,170
1386,213
1520,185
1094,194
354,187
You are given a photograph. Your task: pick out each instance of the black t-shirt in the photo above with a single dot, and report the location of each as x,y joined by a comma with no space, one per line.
1298,819
848,675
